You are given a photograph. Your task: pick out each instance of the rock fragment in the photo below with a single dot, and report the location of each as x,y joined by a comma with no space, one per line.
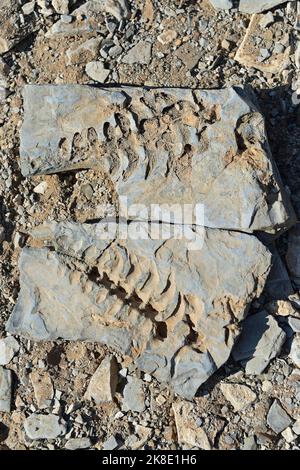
38,426
168,263
103,384
97,71
43,388
5,389
12,31
240,396
261,58
258,6
261,340
78,443
61,6
222,4
277,418
139,54
293,252
111,443
288,435
188,431
9,347
134,397
83,53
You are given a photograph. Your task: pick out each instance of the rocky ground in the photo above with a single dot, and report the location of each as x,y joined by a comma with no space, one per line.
70,394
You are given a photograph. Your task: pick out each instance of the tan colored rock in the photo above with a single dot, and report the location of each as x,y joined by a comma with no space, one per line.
240,396
188,432
180,146
43,388
103,384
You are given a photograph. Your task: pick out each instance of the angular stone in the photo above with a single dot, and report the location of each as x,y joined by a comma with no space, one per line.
175,146
258,6
261,340
12,31
4,71
188,431
83,53
43,388
277,418
134,397
103,384
9,347
39,426
240,396
159,305
97,71
89,17
5,389
78,443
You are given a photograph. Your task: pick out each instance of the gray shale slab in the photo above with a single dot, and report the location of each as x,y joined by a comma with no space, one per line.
161,146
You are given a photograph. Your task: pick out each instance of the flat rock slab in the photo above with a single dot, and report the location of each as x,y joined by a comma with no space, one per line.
12,31
38,426
87,18
161,146
153,300
258,6
261,340
5,389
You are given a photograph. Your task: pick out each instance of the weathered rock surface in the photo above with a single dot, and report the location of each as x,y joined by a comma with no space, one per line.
103,384
249,53
87,18
157,303
5,389
277,418
261,340
8,349
12,31
293,252
43,388
188,431
78,443
134,397
161,146
257,6
222,4
295,350
38,426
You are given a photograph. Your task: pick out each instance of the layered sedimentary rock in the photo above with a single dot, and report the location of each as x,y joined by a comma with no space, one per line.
173,310
161,146
169,296
12,30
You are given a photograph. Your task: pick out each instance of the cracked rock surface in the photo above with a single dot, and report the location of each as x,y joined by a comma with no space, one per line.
161,146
